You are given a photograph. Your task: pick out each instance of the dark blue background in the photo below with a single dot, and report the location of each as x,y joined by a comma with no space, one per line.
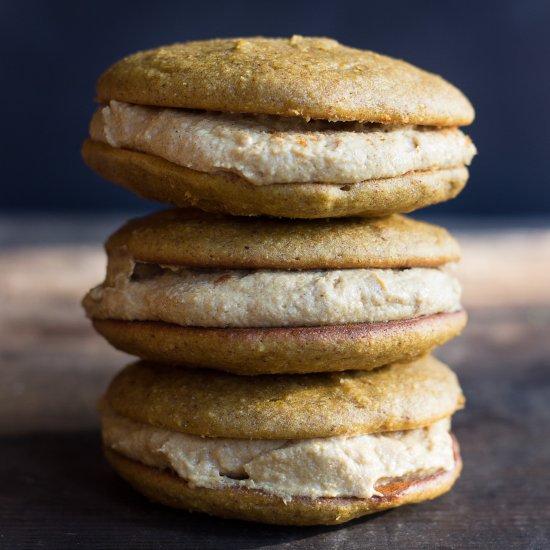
498,53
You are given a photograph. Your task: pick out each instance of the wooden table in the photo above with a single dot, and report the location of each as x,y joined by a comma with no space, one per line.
56,490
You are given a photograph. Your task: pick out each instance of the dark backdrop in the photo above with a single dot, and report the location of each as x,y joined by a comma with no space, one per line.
497,52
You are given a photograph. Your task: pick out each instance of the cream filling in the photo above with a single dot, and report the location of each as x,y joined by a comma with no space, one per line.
322,467
267,149
263,298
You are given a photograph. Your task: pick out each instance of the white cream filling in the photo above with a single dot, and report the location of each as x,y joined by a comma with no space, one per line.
322,467
267,149
264,298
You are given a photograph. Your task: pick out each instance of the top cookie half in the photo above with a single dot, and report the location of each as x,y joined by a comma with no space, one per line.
299,127
313,78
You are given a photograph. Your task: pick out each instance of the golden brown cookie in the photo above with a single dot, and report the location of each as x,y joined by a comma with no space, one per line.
400,396
155,178
318,260
215,442
321,80
306,77
251,351
191,238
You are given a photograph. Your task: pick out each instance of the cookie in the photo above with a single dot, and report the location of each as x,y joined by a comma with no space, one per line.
256,296
314,78
350,133
319,448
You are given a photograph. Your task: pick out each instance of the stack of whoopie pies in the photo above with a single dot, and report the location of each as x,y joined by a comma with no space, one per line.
285,374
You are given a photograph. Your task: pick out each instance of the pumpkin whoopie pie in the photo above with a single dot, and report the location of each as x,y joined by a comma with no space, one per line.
257,296
309,449
297,128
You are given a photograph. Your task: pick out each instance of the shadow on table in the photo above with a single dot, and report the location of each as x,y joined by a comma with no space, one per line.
59,491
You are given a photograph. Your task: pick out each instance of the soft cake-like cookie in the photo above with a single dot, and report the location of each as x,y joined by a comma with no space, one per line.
313,78
298,128
309,449
254,296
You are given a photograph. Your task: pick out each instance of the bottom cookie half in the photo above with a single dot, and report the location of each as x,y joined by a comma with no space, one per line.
252,351
167,488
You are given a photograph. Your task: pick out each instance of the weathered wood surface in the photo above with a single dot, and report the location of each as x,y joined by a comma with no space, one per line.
56,491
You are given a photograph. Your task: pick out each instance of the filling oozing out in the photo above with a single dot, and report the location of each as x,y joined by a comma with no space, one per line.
268,150
270,298
338,466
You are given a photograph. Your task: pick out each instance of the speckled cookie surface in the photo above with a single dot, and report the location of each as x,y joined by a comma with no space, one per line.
196,239
155,178
249,505
253,351
401,396
306,77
